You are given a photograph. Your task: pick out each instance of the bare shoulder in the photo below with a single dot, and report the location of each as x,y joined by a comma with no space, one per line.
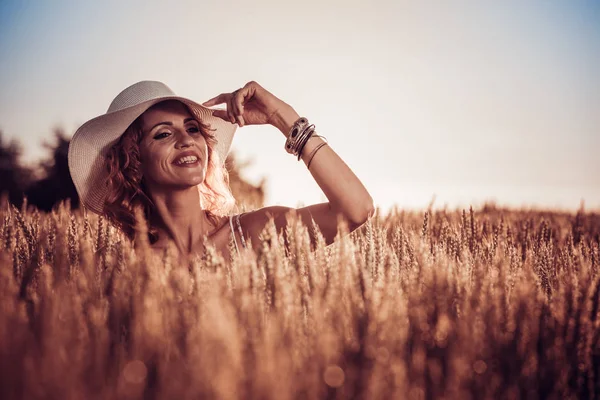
261,216
221,225
254,222
221,234
322,214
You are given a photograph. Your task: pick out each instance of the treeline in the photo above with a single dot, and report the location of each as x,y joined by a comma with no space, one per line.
44,185
47,184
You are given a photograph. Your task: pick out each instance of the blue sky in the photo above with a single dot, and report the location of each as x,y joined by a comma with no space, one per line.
468,102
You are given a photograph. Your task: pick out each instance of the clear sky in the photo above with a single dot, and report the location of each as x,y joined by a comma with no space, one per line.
468,101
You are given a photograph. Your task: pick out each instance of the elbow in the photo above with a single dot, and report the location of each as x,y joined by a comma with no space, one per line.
362,213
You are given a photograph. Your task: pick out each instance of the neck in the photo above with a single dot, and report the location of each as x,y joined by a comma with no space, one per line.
181,217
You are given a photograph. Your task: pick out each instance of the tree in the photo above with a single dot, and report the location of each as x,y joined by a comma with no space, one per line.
14,178
56,184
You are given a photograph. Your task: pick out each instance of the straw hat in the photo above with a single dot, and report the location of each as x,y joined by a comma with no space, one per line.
90,144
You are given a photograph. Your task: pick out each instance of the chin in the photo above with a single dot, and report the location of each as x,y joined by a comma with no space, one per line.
190,182
179,180
193,179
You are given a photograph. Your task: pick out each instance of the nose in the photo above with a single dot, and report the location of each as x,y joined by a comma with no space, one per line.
184,140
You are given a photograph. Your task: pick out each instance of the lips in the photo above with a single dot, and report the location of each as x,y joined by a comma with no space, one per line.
186,158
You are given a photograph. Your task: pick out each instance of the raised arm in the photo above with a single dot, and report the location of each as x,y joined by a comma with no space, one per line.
253,105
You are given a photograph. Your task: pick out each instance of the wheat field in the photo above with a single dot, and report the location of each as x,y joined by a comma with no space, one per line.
465,304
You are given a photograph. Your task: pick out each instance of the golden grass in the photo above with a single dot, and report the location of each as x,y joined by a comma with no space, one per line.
486,304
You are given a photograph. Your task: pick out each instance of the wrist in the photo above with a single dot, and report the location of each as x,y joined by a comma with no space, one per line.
284,118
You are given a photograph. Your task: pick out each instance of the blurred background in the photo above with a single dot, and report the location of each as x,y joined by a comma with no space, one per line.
458,103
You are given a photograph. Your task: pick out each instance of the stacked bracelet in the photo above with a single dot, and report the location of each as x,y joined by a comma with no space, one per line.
299,135
307,134
312,154
296,133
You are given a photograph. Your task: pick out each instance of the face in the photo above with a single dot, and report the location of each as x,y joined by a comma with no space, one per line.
173,150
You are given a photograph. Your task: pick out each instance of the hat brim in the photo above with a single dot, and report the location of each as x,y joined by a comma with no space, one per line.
92,141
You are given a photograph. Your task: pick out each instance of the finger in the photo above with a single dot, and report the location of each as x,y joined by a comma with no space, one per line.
230,113
221,114
235,110
222,98
234,104
238,102
241,121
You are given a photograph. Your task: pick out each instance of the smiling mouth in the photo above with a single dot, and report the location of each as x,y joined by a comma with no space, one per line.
186,161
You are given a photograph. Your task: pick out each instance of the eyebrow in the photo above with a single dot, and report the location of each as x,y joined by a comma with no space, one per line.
185,121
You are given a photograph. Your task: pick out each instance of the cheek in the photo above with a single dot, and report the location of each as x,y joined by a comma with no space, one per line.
151,158
144,152
203,145
144,158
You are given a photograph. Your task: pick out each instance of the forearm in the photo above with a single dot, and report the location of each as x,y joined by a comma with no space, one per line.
343,189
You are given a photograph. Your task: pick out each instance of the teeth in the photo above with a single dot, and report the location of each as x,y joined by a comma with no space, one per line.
187,160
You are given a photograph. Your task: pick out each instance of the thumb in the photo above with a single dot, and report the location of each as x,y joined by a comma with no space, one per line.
221,114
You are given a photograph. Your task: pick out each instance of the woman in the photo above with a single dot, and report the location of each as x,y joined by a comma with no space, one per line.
164,154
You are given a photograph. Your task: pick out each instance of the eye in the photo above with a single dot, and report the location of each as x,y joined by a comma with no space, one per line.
193,129
161,135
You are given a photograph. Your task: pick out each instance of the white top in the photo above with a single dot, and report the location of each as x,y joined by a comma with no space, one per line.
239,227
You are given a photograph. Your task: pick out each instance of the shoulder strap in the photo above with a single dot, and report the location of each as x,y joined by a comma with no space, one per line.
233,234
239,226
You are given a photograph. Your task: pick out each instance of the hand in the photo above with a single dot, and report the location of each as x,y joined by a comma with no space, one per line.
250,105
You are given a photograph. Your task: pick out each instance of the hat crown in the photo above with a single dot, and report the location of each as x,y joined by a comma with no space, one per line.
138,93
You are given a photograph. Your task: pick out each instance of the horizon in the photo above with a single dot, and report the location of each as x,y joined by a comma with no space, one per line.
470,104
